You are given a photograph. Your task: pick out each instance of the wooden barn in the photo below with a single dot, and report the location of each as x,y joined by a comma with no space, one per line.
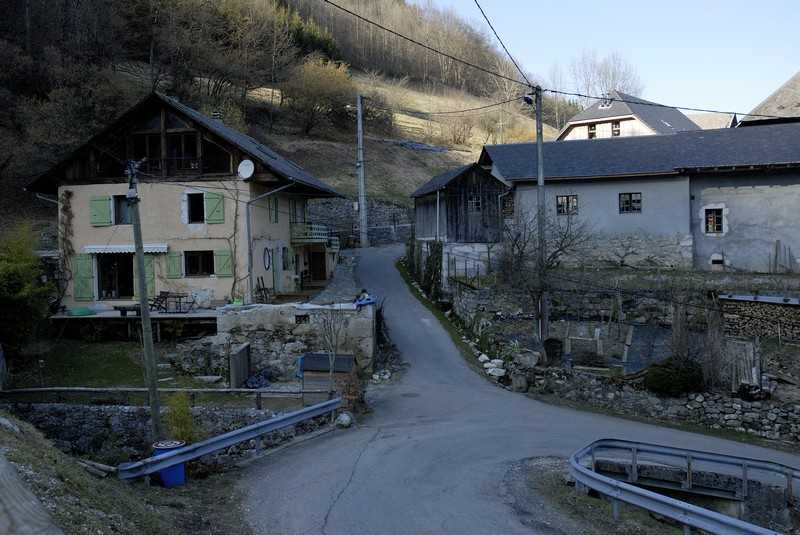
463,205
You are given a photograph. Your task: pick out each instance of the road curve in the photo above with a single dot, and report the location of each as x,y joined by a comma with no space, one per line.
432,456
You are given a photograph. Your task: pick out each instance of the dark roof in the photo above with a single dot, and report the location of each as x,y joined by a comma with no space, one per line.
319,362
649,155
270,159
661,119
783,102
440,181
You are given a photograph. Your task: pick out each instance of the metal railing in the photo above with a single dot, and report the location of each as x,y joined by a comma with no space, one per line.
191,452
310,233
333,243
583,464
56,394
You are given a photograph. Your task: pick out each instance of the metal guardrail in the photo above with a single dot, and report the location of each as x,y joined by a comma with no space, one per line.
191,452
687,514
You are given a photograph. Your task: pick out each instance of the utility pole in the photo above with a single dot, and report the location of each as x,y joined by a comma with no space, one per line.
147,329
362,186
544,313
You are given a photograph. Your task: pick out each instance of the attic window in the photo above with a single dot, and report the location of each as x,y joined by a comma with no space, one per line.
592,131
474,203
605,103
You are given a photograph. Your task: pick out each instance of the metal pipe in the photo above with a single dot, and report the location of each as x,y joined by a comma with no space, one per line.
249,232
46,199
437,214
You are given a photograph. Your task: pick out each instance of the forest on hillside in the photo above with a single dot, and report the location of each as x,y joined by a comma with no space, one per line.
70,67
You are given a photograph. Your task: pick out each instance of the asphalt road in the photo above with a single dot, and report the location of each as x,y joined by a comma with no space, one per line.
432,456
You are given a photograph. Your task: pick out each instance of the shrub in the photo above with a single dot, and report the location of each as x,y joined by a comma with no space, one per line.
673,378
180,422
23,296
318,90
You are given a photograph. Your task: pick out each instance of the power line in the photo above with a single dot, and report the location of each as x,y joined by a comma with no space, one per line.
527,85
452,112
423,45
486,18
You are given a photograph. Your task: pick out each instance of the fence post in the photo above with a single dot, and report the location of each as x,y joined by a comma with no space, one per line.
258,400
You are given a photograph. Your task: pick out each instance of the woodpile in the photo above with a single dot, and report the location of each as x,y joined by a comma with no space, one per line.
761,318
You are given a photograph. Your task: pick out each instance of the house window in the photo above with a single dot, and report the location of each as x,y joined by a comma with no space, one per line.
508,206
614,128
196,208
566,204
115,276
630,203
592,131
474,203
182,152
199,263
148,146
121,214
713,220
287,260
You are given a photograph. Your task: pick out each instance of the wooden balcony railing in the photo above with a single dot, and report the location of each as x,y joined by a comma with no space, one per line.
309,233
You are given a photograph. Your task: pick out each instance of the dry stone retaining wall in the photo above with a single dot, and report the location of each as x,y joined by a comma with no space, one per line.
766,419
754,318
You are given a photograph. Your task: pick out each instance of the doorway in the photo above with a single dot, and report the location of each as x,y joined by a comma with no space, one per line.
319,271
115,276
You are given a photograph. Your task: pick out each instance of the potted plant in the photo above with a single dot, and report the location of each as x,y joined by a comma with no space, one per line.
180,425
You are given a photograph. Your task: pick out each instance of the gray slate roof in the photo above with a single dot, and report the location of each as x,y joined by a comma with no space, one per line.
266,156
647,155
783,102
440,181
662,119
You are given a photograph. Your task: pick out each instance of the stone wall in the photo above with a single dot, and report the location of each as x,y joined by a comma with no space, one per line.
387,222
114,433
766,419
768,317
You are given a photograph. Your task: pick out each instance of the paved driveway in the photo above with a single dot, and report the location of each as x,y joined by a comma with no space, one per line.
432,457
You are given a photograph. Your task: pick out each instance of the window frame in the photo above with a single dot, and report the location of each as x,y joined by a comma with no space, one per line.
718,215
474,203
615,129
204,257
202,204
122,199
569,206
630,203
592,131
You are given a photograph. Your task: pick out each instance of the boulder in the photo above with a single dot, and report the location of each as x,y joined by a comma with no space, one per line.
519,382
497,362
483,358
527,358
488,365
496,372
344,420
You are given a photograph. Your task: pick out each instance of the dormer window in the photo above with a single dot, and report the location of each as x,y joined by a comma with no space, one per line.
606,102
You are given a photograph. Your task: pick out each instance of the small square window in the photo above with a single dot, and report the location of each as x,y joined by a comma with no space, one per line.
566,204
630,203
714,221
508,206
121,214
196,208
592,131
614,128
199,263
474,203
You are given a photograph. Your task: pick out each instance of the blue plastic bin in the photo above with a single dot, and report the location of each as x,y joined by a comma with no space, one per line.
174,476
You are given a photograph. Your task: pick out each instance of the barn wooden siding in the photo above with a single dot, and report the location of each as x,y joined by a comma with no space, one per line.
468,212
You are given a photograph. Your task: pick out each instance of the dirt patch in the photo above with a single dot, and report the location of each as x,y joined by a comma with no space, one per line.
541,495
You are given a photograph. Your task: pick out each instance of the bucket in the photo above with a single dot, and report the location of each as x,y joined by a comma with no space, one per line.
174,476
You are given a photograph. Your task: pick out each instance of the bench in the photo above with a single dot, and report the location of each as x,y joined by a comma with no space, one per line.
124,309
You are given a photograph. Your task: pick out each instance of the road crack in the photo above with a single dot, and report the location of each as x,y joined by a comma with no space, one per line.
324,527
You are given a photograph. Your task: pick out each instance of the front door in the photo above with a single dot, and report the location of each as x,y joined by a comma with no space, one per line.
318,270
115,276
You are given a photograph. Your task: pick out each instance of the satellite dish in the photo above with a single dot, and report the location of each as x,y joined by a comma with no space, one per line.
246,169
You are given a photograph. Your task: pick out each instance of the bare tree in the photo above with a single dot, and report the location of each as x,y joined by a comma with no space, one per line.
594,75
519,264
333,323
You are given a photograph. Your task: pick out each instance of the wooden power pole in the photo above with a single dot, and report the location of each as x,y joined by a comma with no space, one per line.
362,185
544,313
147,328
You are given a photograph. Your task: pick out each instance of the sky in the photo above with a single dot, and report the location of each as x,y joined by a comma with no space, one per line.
726,55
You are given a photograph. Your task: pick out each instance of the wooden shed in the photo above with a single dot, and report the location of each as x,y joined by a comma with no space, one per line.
471,205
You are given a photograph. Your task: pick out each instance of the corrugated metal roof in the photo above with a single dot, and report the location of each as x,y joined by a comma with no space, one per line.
152,248
661,119
650,155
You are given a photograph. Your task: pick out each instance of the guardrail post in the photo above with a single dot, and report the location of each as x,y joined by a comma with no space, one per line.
594,460
633,476
687,530
688,483
615,508
744,480
258,400
789,487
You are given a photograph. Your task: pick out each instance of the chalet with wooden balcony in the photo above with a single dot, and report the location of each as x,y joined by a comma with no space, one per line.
208,228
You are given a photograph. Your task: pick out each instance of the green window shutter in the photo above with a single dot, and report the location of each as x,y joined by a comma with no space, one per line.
100,210
83,278
275,209
150,274
223,263
215,208
174,265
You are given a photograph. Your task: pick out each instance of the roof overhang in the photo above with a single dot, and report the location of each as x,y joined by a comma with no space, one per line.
660,174
150,248
741,168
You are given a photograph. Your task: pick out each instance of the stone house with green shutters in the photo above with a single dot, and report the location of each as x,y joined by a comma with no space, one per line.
194,207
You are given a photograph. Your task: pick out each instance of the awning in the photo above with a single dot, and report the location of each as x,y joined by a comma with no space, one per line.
153,248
